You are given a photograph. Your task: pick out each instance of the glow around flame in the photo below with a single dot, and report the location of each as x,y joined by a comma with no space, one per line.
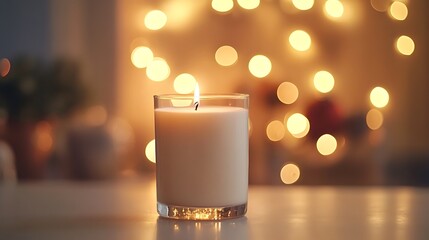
196,96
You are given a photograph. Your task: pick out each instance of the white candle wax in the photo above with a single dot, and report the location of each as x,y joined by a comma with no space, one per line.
202,156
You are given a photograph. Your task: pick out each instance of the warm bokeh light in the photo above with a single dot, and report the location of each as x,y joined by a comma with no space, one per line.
226,56
298,125
374,119
260,66
398,11
290,173
150,151
155,20
405,45
4,67
158,70
141,56
248,4
326,144
275,131
287,92
380,5
379,97
334,8
303,4
324,81
182,14
43,136
184,83
300,40
222,5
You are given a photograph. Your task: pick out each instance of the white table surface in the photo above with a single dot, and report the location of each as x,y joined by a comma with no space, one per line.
126,209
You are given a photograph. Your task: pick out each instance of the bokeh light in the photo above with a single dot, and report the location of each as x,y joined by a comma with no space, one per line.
260,66
379,97
324,81
248,4
222,5
184,83
303,4
287,92
226,56
298,125
290,173
155,20
150,151
300,40
141,56
380,5
334,8
4,67
374,119
182,15
43,136
158,70
275,131
326,144
405,45
398,11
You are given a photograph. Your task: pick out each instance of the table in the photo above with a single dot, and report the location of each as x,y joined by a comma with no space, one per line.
125,209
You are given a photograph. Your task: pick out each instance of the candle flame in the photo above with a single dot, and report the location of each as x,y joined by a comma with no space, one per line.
196,96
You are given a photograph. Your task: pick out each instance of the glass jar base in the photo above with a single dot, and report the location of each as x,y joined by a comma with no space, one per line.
201,213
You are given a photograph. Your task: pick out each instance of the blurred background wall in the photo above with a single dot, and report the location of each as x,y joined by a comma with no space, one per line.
127,52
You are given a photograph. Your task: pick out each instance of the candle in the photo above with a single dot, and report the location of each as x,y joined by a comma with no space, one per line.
202,156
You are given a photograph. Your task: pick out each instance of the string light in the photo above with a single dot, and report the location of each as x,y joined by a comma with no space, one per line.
405,45
303,5
150,151
298,125
141,56
379,97
158,70
248,4
155,20
184,83
398,11
222,5
374,119
324,81
4,67
326,144
290,173
300,40
226,56
287,92
275,131
334,8
260,66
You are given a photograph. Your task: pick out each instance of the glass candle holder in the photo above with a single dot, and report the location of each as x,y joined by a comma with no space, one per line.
202,156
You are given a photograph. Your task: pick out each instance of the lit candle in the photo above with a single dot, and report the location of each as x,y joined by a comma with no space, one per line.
202,156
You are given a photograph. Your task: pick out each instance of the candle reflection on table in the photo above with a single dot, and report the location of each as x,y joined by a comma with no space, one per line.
178,229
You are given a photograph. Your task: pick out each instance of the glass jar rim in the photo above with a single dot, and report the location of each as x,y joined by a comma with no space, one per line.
203,96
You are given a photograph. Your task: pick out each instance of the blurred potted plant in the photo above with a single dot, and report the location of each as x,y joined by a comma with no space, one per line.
34,97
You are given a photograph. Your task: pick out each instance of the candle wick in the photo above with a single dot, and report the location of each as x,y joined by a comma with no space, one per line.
196,105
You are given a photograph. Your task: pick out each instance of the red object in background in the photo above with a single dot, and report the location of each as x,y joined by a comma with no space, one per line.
324,116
